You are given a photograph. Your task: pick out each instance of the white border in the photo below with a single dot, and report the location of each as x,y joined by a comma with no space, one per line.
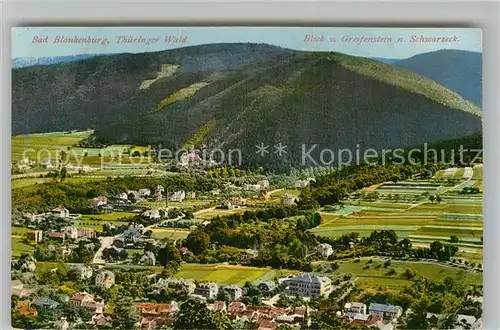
484,15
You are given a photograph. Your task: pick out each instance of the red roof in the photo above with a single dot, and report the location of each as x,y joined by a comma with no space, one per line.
267,324
236,306
219,305
55,234
80,296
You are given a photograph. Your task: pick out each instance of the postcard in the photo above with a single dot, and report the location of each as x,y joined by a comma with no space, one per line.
246,178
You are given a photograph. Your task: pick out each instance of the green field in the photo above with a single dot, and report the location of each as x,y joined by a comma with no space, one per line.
44,146
382,205
333,225
207,215
30,145
97,225
372,278
447,208
226,274
281,193
170,233
26,182
18,247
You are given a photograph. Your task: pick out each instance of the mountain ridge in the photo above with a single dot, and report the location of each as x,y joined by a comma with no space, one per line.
243,94
457,70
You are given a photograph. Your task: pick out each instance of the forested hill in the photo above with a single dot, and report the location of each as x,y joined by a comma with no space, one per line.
236,96
460,71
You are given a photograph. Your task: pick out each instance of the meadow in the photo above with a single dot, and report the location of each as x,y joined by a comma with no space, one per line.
170,233
228,274
374,276
48,146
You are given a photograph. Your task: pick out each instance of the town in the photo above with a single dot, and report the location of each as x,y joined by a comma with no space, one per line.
379,247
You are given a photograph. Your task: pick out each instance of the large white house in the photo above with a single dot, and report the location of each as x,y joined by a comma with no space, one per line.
208,290
309,285
288,200
177,196
324,249
105,279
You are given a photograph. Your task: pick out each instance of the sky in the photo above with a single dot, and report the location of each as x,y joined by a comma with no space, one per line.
391,43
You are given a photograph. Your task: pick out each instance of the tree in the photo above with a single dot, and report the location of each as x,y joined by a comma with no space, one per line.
438,199
432,198
167,254
197,241
195,315
125,318
63,173
453,239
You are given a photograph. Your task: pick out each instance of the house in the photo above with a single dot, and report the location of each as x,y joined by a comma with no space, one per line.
44,302
159,188
70,232
60,212
99,201
301,184
156,309
122,196
263,184
57,235
325,250
100,320
86,232
218,305
266,286
288,200
238,201
189,159
131,235
86,300
265,324
36,236
17,289
84,272
464,321
233,292
24,307
227,205
309,285
208,290
177,196
191,195
355,307
152,213
105,279
16,285
157,196
143,193
148,259
387,312
236,306
252,187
